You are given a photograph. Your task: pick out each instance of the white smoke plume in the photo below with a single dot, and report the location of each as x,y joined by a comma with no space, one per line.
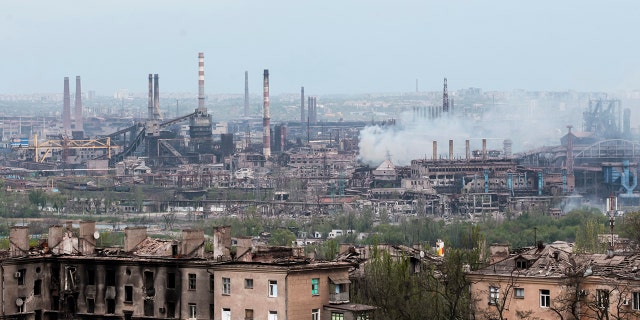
528,125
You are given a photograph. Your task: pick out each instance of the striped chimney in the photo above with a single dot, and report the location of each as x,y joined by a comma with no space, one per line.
200,80
266,121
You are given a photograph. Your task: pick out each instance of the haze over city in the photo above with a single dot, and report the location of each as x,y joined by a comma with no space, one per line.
328,46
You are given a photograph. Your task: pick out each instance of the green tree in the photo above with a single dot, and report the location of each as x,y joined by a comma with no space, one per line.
38,198
282,237
587,237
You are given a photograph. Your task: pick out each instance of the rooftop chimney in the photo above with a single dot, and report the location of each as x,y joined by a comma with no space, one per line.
87,240
266,121
66,108
78,106
192,243
133,236
19,240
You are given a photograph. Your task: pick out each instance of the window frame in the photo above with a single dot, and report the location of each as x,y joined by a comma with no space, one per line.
226,286
315,314
193,311
128,294
248,283
545,298
272,315
315,286
603,297
518,293
192,281
273,288
337,315
635,300
494,295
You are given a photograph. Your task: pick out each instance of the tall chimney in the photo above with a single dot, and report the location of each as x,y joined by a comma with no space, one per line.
200,81
150,107
435,150
66,108
156,97
78,106
467,149
450,150
484,149
301,104
246,93
445,97
266,121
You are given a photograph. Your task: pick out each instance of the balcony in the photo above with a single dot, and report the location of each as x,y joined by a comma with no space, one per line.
340,297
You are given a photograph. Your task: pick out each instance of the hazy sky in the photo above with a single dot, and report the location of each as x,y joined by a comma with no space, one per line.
330,46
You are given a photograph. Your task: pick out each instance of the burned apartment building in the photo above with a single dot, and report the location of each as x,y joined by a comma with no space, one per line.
68,277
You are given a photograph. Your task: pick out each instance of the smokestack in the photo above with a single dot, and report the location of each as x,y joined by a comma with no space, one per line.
467,149
435,150
569,151
246,93
156,97
66,108
301,104
310,109
201,81
266,121
150,107
78,106
450,150
484,149
445,97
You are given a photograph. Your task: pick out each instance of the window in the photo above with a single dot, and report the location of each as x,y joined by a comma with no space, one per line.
91,305
521,264
211,283
337,316
315,314
212,311
128,294
273,288
545,298
494,295
273,315
248,314
226,314
363,317
171,280
37,287
91,277
518,293
636,301
20,305
111,306
21,274
192,281
192,311
110,277
248,283
315,284
37,315
171,309
602,299
148,307
226,286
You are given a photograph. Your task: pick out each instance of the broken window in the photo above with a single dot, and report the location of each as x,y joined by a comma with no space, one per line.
171,310
91,305
171,280
128,294
494,295
20,275
110,277
148,283
273,288
91,277
148,308
37,287
192,281
111,306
